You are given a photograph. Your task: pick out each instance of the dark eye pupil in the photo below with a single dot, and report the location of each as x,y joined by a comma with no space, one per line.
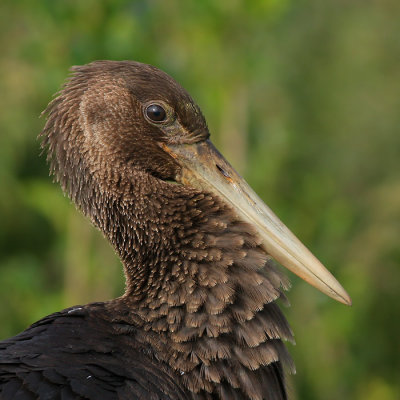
156,113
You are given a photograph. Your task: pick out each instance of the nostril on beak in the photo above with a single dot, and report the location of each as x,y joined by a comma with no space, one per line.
223,172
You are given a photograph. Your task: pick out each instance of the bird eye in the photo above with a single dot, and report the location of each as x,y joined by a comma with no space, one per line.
156,113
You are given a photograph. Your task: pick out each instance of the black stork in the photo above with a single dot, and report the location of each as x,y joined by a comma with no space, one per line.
198,319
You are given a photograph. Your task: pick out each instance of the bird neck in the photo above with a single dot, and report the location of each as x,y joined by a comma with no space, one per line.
159,231
200,288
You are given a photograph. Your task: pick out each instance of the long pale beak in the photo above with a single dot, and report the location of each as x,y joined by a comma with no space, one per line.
205,168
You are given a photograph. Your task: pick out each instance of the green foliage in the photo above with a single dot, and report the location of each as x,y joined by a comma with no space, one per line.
302,97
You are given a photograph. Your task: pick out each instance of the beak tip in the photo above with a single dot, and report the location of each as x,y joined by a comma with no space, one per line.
343,297
347,300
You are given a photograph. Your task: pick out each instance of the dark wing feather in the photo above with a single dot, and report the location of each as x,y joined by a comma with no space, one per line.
78,354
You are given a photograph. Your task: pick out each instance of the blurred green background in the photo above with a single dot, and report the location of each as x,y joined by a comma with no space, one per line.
303,97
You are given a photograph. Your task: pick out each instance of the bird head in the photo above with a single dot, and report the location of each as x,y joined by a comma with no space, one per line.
114,121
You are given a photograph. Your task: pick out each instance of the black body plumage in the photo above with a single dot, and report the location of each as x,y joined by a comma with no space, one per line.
80,354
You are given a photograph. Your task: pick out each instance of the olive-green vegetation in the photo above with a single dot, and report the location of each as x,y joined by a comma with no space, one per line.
303,97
